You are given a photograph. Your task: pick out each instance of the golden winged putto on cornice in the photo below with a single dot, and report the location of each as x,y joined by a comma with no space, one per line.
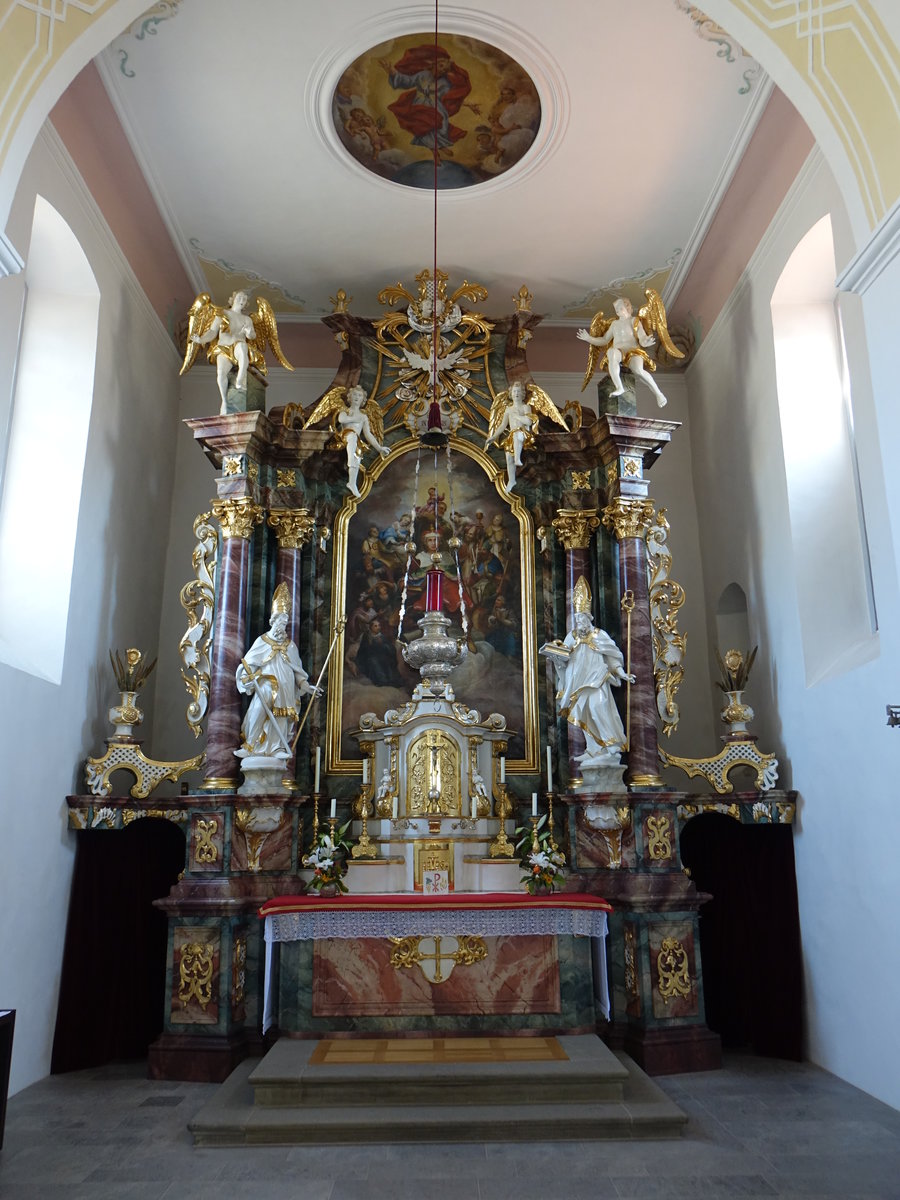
515,415
354,418
235,340
433,350
622,341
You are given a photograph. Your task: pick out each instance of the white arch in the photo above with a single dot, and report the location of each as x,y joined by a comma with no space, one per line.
731,14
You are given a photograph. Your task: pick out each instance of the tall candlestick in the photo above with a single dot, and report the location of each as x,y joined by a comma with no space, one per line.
334,807
318,768
503,768
533,804
549,771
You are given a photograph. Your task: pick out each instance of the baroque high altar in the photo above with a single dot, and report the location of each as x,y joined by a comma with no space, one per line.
478,575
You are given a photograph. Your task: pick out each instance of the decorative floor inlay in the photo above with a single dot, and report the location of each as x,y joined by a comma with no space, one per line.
341,1051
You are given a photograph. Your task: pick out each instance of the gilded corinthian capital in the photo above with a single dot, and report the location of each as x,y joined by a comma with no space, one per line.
629,518
574,527
293,527
237,516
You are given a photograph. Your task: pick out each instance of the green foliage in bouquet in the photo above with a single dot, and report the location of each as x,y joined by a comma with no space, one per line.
544,866
328,859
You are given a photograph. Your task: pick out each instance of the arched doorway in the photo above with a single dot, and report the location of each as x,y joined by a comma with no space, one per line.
749,932
114,964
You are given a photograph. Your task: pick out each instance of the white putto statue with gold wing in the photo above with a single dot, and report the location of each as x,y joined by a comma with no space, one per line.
353,416
623,340
515,415
235,339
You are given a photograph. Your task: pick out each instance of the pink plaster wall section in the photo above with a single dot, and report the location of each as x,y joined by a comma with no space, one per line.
777,150
88,125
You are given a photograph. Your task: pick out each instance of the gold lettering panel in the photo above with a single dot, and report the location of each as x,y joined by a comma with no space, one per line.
433,776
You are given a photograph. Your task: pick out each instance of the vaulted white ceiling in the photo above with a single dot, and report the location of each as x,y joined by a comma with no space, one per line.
644,110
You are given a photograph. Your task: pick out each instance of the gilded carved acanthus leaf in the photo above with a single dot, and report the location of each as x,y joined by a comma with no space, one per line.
627,517
574,527
293,527
666,598
198,601
237,516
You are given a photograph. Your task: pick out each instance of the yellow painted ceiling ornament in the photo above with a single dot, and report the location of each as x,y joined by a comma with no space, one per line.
622,341
235,339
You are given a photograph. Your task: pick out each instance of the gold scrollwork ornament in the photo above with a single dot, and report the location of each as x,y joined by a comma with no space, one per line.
672,964
195,973
237,516
293,527
205,850
669,646
198,600
660,837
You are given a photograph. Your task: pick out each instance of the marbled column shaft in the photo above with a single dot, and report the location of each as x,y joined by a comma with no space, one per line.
287,570
578,563
643,759
229,641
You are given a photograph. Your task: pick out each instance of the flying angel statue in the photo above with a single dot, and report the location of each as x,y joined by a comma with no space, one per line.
515,415
353,416
235,339
623,339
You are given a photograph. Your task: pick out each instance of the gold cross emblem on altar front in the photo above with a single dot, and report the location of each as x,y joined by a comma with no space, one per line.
409,952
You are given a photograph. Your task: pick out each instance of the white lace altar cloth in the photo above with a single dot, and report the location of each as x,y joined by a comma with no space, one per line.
411,922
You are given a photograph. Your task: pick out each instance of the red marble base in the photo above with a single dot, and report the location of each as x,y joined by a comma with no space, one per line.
200,1059
674,1051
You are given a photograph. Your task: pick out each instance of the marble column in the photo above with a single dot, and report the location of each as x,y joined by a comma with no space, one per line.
631,518
574,527
293,528
237,518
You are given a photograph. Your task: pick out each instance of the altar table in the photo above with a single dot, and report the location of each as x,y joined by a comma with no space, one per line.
485,914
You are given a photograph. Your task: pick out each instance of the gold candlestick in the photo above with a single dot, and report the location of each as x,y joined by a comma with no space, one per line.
315,836
535,844
365,847
553,845
502,847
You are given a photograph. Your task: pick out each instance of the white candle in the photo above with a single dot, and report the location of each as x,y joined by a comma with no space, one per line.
549,771
533,804
394,809
474,809
365,771
318,768
334,807
503,768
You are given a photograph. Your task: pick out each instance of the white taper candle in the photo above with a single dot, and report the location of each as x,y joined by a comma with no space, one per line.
333,808
549,771
318,768
503,768
394,808
533,804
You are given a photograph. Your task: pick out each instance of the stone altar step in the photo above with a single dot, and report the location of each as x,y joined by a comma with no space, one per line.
472,1102
582,1071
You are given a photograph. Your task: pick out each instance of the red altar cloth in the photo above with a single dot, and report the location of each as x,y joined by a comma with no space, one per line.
445,902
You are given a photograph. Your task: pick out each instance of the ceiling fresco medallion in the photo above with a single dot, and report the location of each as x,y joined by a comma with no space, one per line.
405,102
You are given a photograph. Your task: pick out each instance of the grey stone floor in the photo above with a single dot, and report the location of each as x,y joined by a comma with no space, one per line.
757,1128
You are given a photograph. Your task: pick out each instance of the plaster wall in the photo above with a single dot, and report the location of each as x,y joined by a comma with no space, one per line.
830,737
47,730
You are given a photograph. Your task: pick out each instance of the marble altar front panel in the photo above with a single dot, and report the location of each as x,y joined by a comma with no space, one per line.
357,978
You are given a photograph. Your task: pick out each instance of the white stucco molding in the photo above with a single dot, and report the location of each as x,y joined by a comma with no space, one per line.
11,261
879,252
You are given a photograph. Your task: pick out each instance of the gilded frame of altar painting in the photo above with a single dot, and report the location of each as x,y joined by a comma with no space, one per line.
338,748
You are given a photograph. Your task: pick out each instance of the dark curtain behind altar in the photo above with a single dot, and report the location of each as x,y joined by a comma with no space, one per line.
749,932
112,988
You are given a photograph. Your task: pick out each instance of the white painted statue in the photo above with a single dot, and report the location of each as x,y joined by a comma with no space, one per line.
624,339
479,794
514,421
272,674
354,416
590,665
236,340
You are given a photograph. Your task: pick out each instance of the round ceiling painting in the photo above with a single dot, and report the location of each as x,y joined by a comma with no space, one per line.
406,101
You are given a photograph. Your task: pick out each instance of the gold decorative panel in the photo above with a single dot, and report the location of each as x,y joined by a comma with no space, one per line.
432,856
433,776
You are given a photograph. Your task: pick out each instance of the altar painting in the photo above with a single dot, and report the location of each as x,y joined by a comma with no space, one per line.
407,102
497,580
